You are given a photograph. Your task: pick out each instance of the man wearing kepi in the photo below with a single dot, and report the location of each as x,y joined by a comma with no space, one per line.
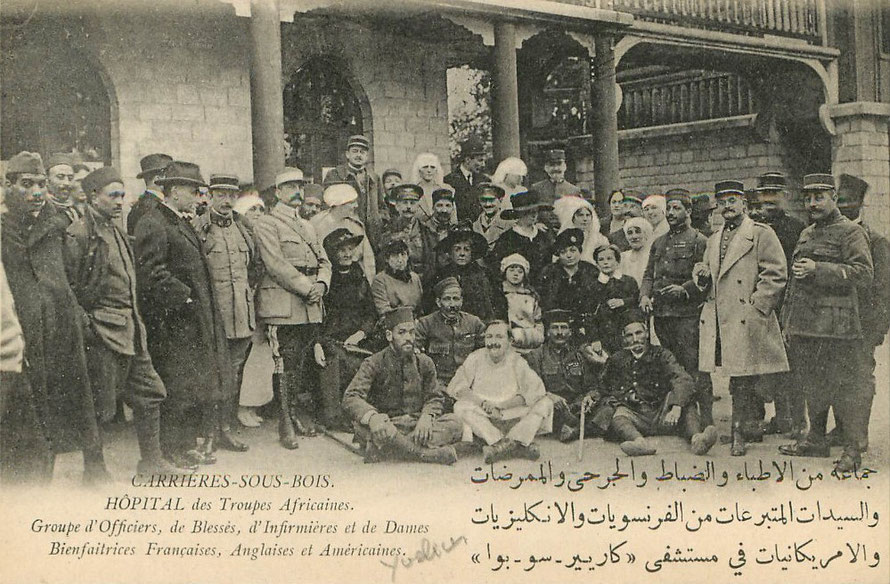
744,275
364,180
103,277
669,292
186,338
497,392
296,278
650,394
233,263
396,403
831,264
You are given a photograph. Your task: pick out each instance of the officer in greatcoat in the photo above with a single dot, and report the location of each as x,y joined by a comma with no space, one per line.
153,167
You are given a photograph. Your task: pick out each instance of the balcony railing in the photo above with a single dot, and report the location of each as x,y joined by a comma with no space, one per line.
684,97
792,18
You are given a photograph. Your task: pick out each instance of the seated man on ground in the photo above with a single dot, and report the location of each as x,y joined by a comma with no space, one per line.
570,370
497,391
651,394
396,403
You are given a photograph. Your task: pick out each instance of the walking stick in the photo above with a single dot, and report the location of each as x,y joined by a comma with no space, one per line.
581,436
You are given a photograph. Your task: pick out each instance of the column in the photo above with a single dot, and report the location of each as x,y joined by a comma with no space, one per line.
606,177
861,147
266,105
505,93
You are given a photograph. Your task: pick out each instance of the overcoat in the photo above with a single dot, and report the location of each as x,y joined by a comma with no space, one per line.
186,337
52,325
741,303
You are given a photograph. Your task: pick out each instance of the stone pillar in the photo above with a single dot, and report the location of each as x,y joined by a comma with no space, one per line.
505,93
606,178
266,98
861,147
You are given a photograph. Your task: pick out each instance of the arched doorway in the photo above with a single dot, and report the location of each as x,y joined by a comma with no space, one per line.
321,110
54,99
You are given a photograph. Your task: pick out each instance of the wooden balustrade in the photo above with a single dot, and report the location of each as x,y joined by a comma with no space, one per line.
684,97
793,18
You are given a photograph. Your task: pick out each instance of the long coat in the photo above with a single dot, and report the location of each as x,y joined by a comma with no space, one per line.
371,202
186,340
52,324
741,303
145,203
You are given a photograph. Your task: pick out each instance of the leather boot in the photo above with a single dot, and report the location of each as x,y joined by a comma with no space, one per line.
228,441
406,446
738,447
500,450
203,454
148,431
286,433
633,443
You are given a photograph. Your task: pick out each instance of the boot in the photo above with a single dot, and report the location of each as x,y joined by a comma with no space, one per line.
203,454
703,441
406,446
850,461
227,441
286,434
738,447
632,442
148,431
500,450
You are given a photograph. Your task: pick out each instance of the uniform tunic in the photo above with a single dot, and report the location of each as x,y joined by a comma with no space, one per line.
449,344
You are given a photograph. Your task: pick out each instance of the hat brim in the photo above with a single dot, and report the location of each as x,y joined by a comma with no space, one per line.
511,214
349,241
180,180
150,171
224,187
477,242
819,187
726,193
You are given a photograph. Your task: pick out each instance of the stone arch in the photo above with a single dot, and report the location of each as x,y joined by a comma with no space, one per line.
324,103
57,94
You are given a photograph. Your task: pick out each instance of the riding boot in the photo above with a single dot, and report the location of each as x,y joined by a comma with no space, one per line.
286,433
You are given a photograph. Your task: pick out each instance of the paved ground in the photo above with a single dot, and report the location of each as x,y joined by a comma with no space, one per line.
322,454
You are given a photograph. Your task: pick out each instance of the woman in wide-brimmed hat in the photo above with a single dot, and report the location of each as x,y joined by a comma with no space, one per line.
527,237
463,249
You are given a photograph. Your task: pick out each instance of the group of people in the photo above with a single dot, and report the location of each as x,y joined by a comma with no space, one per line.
431,318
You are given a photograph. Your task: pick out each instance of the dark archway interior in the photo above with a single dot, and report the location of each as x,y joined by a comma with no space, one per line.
53,99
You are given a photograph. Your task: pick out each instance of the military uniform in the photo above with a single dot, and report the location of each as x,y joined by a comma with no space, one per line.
371,201
449,344
671,259
822,319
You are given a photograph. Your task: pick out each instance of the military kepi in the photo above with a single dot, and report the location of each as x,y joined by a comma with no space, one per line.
228,182
397,316
558,315
818,182
725,188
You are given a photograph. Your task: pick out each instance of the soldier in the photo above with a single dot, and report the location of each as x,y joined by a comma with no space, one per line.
650,394
501,399
396,403
874,302
103,277
744,275
554,186
77,194
312,201
439,223
490,224
669,293
297,276
404,225
51,409
766,202
342,201
234,270
60,184
532,241
570,370
153,167
467,176
822,322
186,335
449,334
364,180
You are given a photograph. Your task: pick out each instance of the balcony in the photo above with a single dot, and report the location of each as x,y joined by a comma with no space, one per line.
800,19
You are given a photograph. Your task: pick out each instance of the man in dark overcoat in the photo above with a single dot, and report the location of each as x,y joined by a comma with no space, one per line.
153,167
186,337
466,177
55,411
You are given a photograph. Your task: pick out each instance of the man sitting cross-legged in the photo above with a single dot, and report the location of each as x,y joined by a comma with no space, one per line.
396,402
497,391
651,393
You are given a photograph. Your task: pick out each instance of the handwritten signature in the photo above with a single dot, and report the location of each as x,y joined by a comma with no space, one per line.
428,552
